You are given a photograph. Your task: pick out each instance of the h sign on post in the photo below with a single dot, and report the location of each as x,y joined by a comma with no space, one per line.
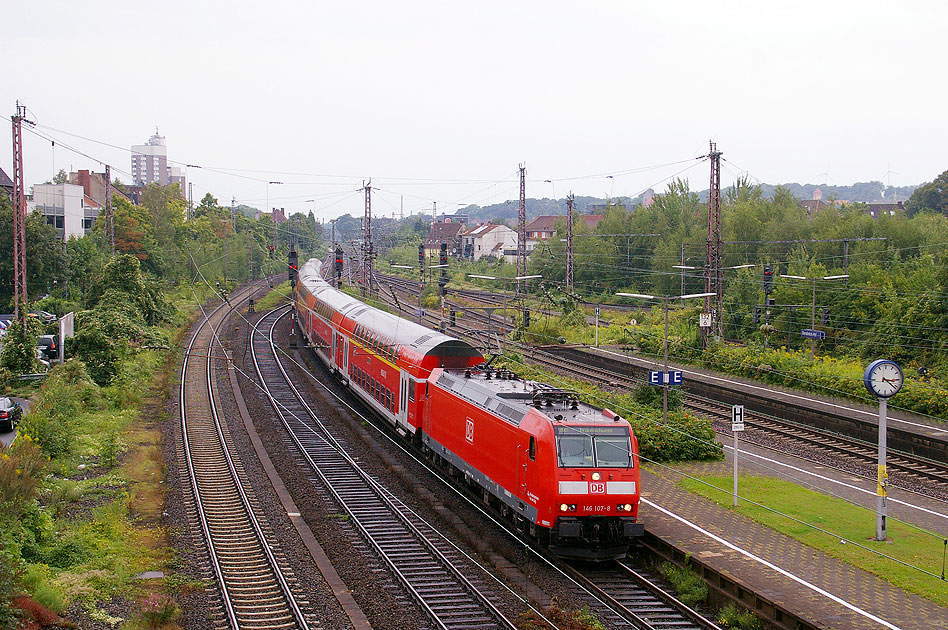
737,418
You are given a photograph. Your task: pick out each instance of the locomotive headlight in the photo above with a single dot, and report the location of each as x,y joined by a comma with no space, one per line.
628,507
624,507
596,476
564,508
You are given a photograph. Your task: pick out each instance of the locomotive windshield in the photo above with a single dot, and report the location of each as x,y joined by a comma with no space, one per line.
591,447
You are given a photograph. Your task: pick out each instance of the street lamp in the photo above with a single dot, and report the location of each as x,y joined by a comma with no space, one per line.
813,305
665,299
552,186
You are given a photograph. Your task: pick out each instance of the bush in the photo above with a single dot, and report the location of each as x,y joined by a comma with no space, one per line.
21,470
157,610
651,396
733,616
97,350
690,587
51,422
19,347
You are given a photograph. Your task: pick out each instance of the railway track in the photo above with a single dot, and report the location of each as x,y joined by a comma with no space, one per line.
631,598
257,587
428,566
910,466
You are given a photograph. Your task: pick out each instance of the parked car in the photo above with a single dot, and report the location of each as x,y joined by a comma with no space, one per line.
49,346
10,414
44,316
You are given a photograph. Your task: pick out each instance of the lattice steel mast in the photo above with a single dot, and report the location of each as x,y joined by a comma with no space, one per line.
522,226
368,253
713,275
19,219
569,242
109,214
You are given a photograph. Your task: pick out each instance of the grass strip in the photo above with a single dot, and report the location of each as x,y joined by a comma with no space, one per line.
846,521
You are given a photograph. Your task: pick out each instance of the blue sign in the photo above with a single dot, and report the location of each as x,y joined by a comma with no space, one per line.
810,333
672,377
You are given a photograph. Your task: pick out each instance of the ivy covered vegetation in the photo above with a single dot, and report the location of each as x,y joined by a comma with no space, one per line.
80,493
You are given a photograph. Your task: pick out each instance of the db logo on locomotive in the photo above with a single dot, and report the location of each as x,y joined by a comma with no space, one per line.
597,487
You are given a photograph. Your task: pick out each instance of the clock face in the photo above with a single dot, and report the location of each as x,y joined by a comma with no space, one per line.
885,379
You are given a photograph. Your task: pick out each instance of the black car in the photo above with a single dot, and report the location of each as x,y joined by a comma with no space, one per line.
49,346
10,414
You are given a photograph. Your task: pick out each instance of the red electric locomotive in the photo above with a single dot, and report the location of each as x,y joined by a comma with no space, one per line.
560,469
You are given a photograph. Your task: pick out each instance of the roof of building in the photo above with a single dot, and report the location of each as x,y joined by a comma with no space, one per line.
481,230
5,181
443,233
592,220
543,223
547,222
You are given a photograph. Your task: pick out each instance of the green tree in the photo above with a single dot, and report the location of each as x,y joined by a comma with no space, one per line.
45,259
932,196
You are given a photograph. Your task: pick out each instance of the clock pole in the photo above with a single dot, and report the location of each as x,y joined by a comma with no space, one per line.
882,475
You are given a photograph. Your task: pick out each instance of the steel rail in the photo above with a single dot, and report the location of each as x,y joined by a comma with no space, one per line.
367,503
235,616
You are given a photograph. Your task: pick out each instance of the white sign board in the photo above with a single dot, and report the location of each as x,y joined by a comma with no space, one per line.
737,418
704,320
66,329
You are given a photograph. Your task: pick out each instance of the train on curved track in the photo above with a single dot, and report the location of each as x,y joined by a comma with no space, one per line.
562,471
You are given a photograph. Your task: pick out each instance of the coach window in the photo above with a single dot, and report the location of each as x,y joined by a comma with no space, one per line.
411,391
533,449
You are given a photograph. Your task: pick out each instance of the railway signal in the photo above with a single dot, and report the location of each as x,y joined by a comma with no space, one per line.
271,251
825,315
293,267
756,315
338,266
768,279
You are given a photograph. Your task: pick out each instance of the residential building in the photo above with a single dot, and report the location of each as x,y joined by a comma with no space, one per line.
150,165
93,186
6,184
490,240
885,209
543,228
66,207
444,232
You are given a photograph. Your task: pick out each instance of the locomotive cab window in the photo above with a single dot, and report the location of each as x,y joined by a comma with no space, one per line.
587,447
533,449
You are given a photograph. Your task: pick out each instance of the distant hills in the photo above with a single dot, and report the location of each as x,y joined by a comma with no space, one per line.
866,192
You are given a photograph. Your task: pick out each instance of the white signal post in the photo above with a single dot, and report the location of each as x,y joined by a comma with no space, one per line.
737,425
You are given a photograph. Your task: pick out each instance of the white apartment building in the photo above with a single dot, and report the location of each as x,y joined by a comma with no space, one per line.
150,162
490,240
65,207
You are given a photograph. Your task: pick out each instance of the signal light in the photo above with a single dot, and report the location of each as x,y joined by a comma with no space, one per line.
756,314
768,279
825,315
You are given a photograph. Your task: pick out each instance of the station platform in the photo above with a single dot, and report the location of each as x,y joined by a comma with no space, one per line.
784,573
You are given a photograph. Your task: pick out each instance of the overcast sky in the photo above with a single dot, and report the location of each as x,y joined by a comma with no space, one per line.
440,101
